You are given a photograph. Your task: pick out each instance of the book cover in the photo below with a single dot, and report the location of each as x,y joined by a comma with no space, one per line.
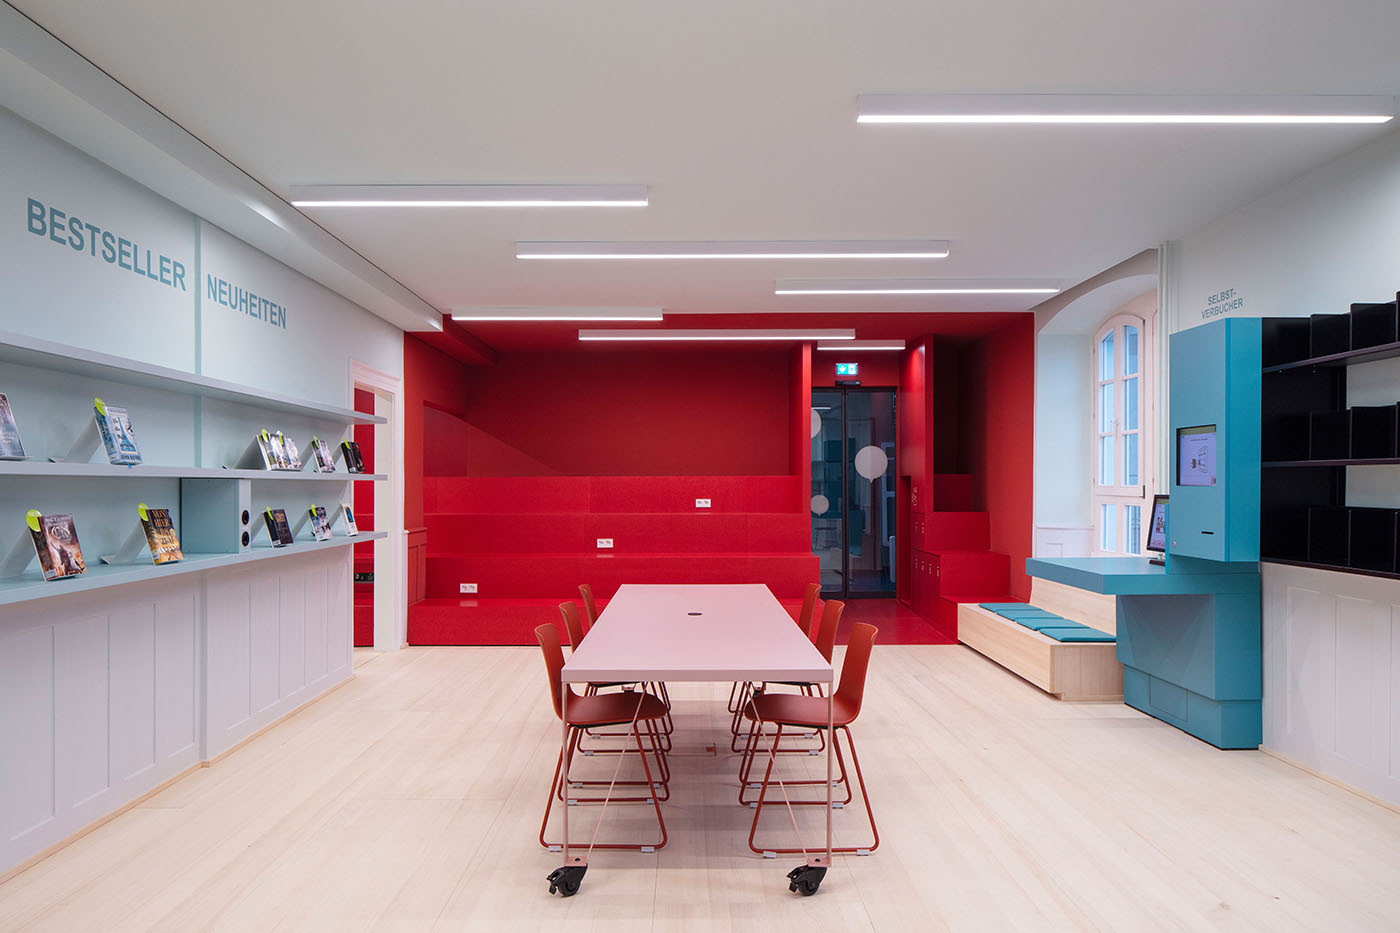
325,457
269,457
56,543
350,530
114,424
277,528
10,446
320,524
160,534
354,463
290,451
279,451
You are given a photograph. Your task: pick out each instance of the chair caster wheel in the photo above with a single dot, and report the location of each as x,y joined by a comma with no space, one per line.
805,879
565,881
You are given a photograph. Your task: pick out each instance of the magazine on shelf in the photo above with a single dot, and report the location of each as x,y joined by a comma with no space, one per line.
325,457
320,524
10,446
277,528
354,462
350,530
160,534
56,543
114,424
290,452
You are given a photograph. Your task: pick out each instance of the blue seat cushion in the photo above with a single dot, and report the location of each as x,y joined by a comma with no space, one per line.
1082,633
998,607
1040,625
1025,611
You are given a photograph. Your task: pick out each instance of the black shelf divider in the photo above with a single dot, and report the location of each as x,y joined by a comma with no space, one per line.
1347,358
1337,462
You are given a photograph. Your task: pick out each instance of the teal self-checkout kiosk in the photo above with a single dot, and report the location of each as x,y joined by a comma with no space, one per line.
1189,631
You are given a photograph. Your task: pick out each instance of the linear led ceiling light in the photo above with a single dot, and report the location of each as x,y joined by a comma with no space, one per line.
1140,109
863,345
914,287
556,314
738,249
731,334
469,195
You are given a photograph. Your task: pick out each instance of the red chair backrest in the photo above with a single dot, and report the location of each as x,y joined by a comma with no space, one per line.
851,691
572,624
548,637
825,639
590,608
809,606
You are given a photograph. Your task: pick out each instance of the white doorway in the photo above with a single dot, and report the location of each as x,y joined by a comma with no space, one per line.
391,552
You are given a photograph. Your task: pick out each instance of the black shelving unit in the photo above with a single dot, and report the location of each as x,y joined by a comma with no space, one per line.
1310,437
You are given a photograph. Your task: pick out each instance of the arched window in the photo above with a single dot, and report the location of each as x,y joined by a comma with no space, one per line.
1123,456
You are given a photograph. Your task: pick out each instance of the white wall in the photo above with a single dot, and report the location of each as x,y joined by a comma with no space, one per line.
1331,640
1063,406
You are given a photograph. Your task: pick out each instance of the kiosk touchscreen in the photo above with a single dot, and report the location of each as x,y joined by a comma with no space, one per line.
1157,529
1195,456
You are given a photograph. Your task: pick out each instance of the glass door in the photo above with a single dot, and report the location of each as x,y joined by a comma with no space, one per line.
853,491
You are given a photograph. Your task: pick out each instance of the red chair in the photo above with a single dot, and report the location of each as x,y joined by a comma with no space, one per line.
823,637
574,626
635,709
790,711
590,611
804,622
590,608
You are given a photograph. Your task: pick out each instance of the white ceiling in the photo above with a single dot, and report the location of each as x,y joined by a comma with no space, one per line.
740,116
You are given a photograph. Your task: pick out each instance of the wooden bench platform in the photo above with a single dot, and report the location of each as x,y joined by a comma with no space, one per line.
1067,670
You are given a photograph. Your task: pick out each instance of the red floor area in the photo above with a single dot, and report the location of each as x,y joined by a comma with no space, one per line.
513,621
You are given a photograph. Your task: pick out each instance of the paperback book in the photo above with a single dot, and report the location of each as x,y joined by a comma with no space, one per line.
290,452
160,534
350,529
10,446
320,524
350,451
325,457
56,543
114,424
277,528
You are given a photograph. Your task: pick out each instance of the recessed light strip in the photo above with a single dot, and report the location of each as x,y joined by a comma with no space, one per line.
735,334
1128,109
863,345
914,287
468,195
737,249
556,314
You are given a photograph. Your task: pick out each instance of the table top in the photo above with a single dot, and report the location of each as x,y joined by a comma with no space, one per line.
1134,576
696,633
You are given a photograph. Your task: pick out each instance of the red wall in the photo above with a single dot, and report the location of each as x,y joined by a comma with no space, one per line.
997,429
877,369
430,378
631,413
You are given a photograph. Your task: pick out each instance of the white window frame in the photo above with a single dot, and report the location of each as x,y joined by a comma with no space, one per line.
1119,494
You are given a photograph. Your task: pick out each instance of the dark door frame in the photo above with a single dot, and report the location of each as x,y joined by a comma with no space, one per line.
845,515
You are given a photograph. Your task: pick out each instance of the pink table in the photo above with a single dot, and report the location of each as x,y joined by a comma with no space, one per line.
680,633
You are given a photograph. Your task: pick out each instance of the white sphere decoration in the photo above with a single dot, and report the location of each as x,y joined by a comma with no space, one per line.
820,504
816,422
871,462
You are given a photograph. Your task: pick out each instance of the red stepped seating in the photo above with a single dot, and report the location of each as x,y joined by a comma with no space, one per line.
528,542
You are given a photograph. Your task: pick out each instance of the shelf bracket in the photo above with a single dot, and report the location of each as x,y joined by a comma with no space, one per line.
132,550
84,447
19,557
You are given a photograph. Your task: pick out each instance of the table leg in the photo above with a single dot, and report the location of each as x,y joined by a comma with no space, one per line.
566,879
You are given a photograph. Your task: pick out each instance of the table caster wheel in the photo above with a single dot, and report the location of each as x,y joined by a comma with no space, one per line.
805,879
565,881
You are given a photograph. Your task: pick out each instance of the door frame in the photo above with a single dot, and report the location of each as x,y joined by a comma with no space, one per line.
391,552
845,517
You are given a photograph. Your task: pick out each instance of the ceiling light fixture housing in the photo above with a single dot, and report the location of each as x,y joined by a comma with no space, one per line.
863,345
468,195
555,314
736,249
915,287
734,334
1125,109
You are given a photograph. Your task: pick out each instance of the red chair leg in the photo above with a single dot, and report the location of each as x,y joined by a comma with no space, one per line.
860,778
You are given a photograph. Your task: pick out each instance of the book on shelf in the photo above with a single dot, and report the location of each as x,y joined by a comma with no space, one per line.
324,456
277,528
350,530
114,424
272,445
320,524
160,534
56,543
290,452
354,461
10,446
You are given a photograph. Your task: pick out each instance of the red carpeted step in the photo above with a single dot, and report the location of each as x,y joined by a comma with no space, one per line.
362,621
548,494
634,532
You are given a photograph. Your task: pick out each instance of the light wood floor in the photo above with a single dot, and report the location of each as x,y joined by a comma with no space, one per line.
409,800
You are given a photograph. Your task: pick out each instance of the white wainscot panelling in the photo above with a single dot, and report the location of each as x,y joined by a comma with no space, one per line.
1062,541
97,707
278,635
1332,674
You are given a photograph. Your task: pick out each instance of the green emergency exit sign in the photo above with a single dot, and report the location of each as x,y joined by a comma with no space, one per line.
848,369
